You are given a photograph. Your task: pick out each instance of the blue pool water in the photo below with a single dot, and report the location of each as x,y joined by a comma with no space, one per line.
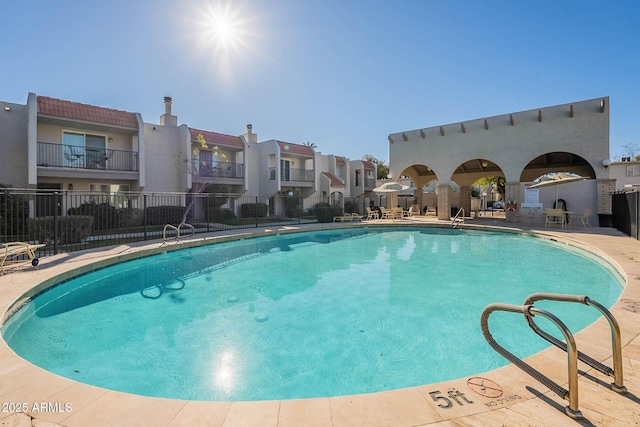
301,315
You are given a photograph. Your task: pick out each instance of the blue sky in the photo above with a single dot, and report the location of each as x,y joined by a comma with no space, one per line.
342,74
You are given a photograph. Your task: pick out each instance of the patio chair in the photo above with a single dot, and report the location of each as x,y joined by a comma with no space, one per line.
14,253
414,210
371,214
355,216
554,216
584,218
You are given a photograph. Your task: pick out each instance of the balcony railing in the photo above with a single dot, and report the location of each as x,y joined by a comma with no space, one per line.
77,157
302,175
221,170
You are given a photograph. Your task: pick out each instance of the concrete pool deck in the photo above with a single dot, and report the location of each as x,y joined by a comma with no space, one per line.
505,396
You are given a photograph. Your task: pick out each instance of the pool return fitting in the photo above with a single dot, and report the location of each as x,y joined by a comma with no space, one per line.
568,346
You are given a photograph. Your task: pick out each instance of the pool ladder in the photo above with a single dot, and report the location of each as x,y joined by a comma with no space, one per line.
458,218
569,346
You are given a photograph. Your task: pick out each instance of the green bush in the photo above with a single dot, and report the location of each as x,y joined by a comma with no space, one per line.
254,210
350,206
71,229
130,217
14,212
105,216
217,214
161,215
325,212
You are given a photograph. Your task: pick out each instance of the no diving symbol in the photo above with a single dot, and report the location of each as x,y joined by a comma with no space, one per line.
484,387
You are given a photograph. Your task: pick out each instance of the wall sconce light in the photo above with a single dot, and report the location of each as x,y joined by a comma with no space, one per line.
70,187
606,163
110,139
484,164
7,108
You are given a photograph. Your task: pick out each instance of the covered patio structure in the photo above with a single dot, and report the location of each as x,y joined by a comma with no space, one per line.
519,146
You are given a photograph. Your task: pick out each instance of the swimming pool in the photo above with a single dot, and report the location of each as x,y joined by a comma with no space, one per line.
301,315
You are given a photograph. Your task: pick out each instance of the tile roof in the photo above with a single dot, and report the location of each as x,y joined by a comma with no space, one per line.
368,165
335,181
302,150
340,160
217,138
85,112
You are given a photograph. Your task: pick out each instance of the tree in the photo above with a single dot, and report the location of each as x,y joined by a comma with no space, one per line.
630,150
383,170
193,169
499,182
311,144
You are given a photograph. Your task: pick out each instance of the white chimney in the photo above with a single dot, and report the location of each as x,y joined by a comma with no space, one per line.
167,119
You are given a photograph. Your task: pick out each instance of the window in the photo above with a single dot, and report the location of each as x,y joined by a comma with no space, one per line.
633,170
84,150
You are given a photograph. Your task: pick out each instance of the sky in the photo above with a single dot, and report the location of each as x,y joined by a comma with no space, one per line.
341,74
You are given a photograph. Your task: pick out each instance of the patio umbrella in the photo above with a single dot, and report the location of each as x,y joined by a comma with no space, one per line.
391,187
556,178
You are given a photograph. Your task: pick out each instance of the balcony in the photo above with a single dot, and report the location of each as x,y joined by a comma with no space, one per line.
287,175
77,157
222,171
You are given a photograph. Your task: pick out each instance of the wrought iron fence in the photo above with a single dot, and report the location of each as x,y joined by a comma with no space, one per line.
626,213
70,220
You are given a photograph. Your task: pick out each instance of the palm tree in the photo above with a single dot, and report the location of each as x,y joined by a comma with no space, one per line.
311,144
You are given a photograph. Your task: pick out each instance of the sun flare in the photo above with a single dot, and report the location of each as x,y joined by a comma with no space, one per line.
223,28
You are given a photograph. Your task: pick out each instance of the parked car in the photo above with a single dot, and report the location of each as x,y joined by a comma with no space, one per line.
498,204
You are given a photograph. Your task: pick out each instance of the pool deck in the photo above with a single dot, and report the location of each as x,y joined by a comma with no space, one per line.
509,397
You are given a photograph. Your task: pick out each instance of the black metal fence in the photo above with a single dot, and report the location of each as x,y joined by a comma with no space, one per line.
70,220
626,213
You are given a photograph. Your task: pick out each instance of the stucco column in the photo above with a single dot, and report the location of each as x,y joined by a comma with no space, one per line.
603,199
417,194
512,193
465,199
444,208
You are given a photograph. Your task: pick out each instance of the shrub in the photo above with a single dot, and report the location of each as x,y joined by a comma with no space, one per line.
351,206
325,212
71,229
161,215
14,212
254,210
105,216
217,214
130,217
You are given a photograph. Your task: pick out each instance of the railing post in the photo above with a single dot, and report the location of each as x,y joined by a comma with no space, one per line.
144,215
255,211
56,231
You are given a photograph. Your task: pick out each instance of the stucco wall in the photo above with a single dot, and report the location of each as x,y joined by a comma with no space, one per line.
13,140
510,146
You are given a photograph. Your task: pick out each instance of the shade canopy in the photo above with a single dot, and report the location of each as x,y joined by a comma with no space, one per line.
556,178
390,186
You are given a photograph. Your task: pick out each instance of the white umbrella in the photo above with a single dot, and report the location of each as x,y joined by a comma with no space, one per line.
556,178
391,187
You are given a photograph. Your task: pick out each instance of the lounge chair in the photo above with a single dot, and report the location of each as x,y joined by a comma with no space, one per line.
14,253
414,210
343,218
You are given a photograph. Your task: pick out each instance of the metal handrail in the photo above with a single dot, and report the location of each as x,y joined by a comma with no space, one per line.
457,219
572,394
616,345
178,231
